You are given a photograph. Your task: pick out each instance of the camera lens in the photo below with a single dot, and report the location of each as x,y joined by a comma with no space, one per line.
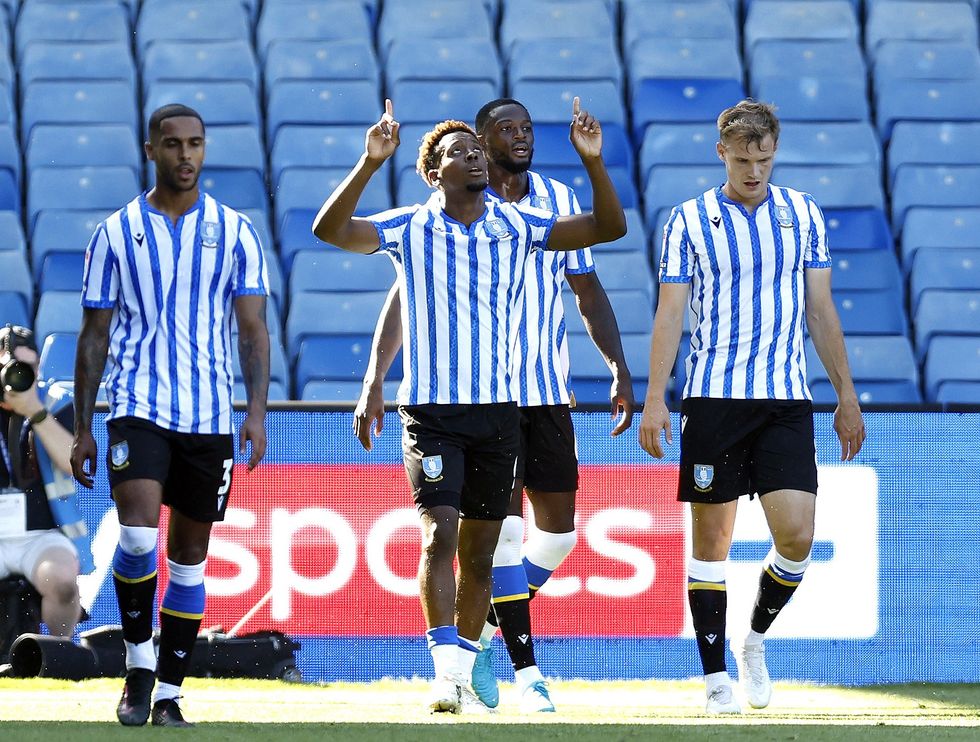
16,376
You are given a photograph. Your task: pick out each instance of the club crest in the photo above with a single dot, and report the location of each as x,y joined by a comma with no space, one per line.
784,216
542,202
210,231
432,466
496,228
119,455
704,474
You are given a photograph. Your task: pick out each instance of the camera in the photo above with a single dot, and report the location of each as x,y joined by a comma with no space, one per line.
15,376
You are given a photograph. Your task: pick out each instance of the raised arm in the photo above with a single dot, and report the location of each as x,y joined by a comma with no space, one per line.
384,347
824,325
253,353
90,358
600,322
335,223
606,221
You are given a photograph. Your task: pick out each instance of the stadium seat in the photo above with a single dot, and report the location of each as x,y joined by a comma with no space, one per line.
567,20
577,178
883,369
322,103
953,360
13,309
235,147
858,229
205,60
317,146
65,231
432,19
334,313
565,59
591,378
678,144
93,145
12,233
15,276
57,311
683,59
272,318
709,19
938,227
337,358
77,102
633,309
830,19
623,270
9,152
551,146
335,391
943,268
685,100
918,21
307,188
79,188
61,271
551,102
57,362
239,189
311,21
442,59
809,143
219,103
331,269
633,241
295,236
192,21
871,312
941,312
926,60
428,101
338,59
835,187
58,60
277,392
669,185
71,22
411,189
925,100
933,185
278,368
815,98
866,270
932,143
822,59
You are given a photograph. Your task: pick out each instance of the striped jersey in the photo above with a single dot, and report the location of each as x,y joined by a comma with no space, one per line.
540,360
747,303
460,291
172,287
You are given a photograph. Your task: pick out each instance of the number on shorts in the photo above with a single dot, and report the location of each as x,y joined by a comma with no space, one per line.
226,477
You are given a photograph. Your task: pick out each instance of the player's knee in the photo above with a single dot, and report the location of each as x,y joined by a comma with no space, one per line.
549,549
439,541
795,546
511,537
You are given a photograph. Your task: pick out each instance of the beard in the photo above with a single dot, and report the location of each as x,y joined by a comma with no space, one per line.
512,167
477,187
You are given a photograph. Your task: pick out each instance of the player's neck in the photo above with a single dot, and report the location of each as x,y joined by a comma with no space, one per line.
172,203
465,206
509,186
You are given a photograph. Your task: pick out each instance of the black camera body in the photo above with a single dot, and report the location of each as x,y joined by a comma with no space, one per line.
15,376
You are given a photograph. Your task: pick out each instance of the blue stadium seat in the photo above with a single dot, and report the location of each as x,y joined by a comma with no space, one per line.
836,59
9,152
295,236
314,20
590,377
933,185
339,59
871,312
552,147
55,60
235,147
943,268
926,60
428,101
335,391
411,189
73,145
262,226
317,146
918,21
321,103
192,21
432,19
577,178
831,19
565,59
624,270
938,227
835,187
79,102
858,229
57,311
709,19
567,20
277,287
11,233
64,231
443,59
684,100
932,143
633,309
551,102
277,392
940,312
337,358
925,100
204,60
812,143
239,189
79,188
57,362
634,240
278,366
407,153
678,144
13,309
816,98
331,269
15,276
334,313
219,103
669,185
866,270
953,361
74,22
61,271
683,59
883,368
272,318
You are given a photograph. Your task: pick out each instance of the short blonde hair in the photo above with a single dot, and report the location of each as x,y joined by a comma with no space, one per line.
749,121
430,152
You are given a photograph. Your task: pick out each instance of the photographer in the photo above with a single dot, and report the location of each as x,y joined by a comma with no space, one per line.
41,533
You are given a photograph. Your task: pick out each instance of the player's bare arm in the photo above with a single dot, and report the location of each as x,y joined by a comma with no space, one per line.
253,350
824,325
600,322
606,222
335,223
370,410
668,324
90,359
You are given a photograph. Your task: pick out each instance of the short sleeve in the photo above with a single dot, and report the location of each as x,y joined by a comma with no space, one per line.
251,275
677,253
539,223
579,261
390,226
100,275
817,251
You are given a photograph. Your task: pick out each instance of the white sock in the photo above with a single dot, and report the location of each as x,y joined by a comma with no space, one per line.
754,638
527,675
141,655
466,657
444,658
488,633
716,679
165,691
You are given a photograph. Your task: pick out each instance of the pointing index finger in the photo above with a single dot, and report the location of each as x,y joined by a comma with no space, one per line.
576,106
389,108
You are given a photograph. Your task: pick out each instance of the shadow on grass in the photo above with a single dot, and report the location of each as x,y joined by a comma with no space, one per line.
929,695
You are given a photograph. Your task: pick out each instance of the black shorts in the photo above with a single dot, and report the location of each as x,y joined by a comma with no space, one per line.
194,468
548,462
462,455
735,447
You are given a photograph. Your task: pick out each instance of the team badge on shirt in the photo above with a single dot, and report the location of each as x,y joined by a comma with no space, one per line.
119,455
432,466
210,232
542,202
784,216
496,228
704,474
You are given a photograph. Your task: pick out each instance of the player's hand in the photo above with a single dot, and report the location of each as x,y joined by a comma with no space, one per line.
84,454
382,139
850,429
655,418
585,132
621,403
369,412
252,431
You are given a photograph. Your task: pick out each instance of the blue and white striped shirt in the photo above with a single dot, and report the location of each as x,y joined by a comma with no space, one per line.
540,361
172,288
460,292
747,302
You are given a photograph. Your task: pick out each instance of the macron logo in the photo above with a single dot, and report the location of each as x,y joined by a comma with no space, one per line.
180,653
711,638
523,638
133,614
716,221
